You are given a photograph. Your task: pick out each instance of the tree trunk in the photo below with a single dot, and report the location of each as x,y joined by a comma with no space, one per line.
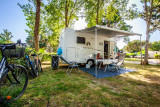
36,28
148,22
108,24
146,46
66,14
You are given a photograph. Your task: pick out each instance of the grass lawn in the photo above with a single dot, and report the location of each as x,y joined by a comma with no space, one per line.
132,59
54,88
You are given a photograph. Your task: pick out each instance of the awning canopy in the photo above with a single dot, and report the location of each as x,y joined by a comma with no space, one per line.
109,32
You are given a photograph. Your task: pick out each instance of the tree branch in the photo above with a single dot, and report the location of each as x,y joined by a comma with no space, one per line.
146,11
150,16
74,10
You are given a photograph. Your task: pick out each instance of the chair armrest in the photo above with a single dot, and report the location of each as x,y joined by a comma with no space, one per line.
73,62
114,62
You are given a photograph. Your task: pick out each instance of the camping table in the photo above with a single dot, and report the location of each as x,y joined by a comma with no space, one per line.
107,62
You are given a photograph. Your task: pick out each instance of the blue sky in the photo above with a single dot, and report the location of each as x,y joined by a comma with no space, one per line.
13,19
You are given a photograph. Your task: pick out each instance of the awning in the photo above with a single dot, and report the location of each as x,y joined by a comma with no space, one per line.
109,32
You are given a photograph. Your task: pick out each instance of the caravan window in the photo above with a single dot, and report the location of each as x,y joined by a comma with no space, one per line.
81,40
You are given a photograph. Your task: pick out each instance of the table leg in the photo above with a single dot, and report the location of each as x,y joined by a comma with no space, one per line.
106,68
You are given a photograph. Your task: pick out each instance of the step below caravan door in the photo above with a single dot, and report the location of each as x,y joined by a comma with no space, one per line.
71,54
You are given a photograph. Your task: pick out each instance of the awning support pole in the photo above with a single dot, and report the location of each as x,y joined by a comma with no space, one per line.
96,51
141,51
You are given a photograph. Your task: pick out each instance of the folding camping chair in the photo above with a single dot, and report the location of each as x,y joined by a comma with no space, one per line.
71,65
120,62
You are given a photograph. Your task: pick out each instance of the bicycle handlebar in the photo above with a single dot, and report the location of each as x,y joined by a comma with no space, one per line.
9,46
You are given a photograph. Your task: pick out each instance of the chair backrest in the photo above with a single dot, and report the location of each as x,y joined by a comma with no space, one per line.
121,58
120,62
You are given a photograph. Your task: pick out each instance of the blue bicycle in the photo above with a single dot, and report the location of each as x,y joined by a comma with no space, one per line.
34,65
31,65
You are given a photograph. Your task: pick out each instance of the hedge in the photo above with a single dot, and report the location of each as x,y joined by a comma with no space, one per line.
157,56
130,54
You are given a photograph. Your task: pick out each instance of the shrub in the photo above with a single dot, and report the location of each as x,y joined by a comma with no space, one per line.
130,55
157,56
47,56
27,50
42,50
139,53
127,55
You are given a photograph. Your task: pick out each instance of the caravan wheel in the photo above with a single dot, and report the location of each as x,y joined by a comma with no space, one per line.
90,62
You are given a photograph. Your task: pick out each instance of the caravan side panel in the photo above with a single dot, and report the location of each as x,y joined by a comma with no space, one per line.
68,44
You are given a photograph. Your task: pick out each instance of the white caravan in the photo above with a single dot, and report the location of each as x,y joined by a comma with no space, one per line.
82,46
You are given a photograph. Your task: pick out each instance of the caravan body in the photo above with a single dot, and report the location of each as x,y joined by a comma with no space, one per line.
80,46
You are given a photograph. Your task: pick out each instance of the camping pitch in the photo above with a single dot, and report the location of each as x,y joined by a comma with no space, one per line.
82,46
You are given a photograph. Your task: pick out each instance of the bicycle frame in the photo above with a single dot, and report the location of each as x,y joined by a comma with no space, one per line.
5,68
35,60
27,57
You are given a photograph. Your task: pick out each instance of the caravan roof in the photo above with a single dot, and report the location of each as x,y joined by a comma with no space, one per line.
111,32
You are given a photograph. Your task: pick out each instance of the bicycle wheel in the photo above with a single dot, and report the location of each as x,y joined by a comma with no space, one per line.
34,68
30,69
39,66
14,84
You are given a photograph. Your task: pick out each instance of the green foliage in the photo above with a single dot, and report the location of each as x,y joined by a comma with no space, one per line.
130,55
29,10
52,20
132,59
150,14
30,41
27,50
42,50
139,53
111,13
155,46
157,56
134,46
6,36
94,8
47,56
155,14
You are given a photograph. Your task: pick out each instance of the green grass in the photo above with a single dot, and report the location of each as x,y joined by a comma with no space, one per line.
132,59
56,88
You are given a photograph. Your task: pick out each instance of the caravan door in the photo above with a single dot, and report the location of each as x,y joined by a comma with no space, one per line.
106,49
71,54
